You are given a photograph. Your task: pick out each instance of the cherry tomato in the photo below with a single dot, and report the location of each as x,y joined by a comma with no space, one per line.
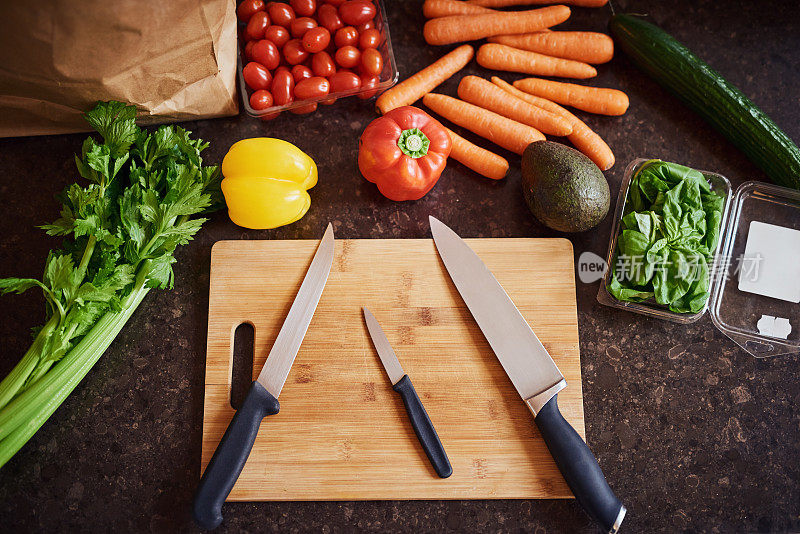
344,80
248,8
369,25
294,52
261,99
256,26
313,87
322,64
256,76
328,18
336,3
248,50
355,12
302,110
316,40
280,13
348,56
371,62
369,39
278,35
300,26
282,86
304,8
370,86
266,53
301,72
346,36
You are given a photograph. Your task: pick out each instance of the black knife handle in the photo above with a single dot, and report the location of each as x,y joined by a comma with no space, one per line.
231,454
423,427
579,467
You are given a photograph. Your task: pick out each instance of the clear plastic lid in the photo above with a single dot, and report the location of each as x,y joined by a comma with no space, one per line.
755,297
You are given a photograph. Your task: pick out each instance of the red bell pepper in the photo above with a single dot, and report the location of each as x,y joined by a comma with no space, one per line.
404,153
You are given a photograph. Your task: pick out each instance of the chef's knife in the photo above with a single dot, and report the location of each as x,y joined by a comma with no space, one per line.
422,424
531,370
262,399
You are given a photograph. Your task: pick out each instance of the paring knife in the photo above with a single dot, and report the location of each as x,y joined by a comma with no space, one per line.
262,398
422,424
531,370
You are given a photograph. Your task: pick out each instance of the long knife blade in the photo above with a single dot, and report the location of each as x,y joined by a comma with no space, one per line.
384,348
522,355
231,454
281,356
532,371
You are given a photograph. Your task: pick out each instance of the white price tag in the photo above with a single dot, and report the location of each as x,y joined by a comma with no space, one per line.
771,262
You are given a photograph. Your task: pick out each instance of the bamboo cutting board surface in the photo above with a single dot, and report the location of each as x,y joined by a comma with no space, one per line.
342,432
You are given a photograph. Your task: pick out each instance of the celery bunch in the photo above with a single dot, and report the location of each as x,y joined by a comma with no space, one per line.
121,231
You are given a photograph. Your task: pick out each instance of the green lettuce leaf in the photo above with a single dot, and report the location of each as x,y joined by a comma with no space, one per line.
668,234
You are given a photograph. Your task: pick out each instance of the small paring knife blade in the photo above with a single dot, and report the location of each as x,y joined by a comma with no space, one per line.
401,383
532,371
262,398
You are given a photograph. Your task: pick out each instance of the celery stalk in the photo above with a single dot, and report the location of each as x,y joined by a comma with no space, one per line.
39,402
120,233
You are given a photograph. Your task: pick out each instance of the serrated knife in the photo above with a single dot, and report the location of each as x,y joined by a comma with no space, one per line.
532,371
262,399
401,383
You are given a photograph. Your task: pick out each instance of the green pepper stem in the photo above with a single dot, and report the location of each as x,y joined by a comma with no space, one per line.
413,143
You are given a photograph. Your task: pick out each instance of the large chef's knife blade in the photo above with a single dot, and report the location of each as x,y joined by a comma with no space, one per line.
262,399
509,335
532,371
401,383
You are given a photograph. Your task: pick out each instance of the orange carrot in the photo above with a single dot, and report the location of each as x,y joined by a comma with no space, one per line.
412,89
589,47
478,159
446,30
444,8
487,95
501,131
584,139
505,3
502,57
592,99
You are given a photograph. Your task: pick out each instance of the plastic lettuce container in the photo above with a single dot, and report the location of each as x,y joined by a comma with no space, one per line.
719,184
738,313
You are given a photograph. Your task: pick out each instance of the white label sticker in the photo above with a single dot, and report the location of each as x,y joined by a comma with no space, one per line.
774,326
771,262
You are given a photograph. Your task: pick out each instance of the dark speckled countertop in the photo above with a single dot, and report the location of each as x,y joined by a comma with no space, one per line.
694,434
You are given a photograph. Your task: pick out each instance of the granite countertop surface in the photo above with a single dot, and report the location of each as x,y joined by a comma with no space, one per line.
693,433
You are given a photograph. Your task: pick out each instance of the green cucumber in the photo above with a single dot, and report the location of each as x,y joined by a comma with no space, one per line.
684,74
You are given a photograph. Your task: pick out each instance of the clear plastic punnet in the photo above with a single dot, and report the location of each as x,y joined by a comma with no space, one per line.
387,78
755,274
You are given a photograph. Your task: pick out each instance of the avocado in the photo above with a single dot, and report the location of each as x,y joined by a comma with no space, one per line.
563,188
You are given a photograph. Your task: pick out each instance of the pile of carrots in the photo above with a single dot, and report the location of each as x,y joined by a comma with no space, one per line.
512,115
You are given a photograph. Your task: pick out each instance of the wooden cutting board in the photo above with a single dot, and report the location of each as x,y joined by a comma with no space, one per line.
342,432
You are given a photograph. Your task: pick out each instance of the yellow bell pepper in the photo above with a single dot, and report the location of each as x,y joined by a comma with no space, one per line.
266,182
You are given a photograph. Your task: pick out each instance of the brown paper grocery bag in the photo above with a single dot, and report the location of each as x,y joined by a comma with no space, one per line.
174,59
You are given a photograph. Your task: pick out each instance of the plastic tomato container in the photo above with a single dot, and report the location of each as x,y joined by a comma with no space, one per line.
387,78
765,216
